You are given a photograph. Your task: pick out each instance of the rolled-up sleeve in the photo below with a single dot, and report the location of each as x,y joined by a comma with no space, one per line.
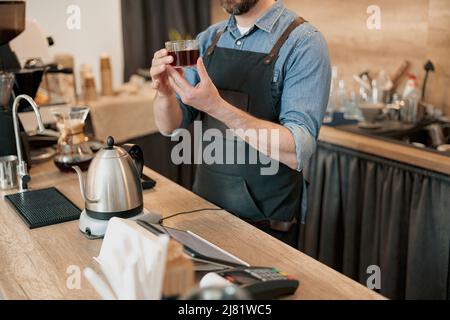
306,89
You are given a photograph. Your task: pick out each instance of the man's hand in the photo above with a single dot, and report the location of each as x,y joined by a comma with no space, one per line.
158,71
168,115
204,97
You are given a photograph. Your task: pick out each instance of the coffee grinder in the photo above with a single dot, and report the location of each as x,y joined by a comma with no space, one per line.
12,24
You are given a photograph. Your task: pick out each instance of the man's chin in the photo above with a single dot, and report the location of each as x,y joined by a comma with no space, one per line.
238,7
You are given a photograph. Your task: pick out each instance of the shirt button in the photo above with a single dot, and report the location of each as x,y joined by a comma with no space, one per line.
239,42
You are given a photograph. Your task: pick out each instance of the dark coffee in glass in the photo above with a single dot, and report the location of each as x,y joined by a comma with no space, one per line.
185,53
184,58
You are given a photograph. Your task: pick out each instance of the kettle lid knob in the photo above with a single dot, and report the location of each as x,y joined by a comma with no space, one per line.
110,142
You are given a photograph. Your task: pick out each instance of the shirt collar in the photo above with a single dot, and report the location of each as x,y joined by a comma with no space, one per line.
266,22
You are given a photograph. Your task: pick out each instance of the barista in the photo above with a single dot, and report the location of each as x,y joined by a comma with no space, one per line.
262,69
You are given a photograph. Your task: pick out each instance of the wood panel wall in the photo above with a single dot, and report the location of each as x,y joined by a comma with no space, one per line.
415,30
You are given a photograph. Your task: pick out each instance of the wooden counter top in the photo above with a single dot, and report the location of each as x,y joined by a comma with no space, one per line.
389,150
35,264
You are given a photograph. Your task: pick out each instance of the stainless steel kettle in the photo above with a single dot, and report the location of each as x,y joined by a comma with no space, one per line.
113,185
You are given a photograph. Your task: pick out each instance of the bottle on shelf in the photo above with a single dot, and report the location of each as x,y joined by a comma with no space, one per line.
106,76
412,95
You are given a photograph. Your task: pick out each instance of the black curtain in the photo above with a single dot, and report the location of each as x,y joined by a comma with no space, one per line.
365,210
147,23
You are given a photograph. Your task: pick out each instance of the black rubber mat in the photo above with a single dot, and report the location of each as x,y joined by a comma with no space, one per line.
39,208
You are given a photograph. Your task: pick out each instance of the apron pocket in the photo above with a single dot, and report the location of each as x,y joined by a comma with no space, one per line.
228,192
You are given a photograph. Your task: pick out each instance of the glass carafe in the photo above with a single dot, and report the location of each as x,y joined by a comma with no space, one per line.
73,148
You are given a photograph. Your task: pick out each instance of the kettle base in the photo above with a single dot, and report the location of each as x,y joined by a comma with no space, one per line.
95,228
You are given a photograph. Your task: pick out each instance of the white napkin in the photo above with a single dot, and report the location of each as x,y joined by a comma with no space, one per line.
133,261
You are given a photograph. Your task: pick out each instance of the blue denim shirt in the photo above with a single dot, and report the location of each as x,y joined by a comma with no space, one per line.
301,76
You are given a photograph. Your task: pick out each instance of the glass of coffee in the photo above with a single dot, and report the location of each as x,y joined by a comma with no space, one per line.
185,53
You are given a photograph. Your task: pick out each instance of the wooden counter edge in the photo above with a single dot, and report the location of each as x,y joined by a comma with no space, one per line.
17,280
385,149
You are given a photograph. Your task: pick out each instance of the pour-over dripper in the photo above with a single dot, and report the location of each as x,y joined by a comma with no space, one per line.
73,149
6,86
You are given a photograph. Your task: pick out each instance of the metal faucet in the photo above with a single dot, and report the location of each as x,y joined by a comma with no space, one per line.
22,169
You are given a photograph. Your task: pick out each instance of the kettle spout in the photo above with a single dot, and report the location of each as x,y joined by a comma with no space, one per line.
82,189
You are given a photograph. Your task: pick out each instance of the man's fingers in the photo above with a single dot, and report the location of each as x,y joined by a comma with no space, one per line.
202,70
156,84
163,60
173,85
176,88
160,53
155,71
178,79
180,71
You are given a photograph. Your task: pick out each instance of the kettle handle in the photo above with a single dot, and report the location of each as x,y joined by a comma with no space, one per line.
137,155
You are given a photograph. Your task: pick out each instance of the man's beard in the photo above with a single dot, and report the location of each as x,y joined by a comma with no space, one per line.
238,7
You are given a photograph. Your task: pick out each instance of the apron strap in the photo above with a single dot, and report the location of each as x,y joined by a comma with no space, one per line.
274,53
211,48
